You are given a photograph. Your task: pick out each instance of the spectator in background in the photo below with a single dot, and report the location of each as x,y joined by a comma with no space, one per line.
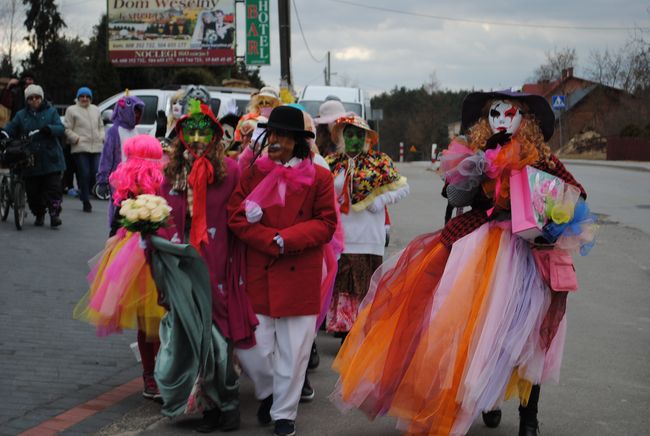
126,115
84,130
328,112
26,78
43,180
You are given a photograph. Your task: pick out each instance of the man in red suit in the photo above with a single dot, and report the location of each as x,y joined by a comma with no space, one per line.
283,210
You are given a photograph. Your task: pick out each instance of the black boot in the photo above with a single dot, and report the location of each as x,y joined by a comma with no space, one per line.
210,422
230,420
88,207
264,411
492,418
55,221
528,425
40,220
314,358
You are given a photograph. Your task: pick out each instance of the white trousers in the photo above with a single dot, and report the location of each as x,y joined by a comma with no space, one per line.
277,363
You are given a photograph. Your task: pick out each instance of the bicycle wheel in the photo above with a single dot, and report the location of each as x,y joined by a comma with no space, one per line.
20,201
5,198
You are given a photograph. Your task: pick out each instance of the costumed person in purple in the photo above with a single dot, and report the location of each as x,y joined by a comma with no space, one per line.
284,211
199,182
126,115
366,181
123,293
469,316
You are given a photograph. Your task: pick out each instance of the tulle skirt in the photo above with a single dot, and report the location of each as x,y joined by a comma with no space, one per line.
122,292
443,335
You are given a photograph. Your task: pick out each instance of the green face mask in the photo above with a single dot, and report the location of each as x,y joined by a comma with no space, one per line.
354,138
198,128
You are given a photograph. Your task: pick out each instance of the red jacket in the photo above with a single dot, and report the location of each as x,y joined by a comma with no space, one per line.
288,284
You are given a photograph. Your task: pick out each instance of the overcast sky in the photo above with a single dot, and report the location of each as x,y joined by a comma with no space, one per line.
465,46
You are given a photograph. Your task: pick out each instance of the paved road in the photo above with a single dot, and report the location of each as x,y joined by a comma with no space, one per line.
49,362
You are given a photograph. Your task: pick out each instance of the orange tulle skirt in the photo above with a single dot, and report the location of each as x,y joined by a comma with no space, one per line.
122,292
444,335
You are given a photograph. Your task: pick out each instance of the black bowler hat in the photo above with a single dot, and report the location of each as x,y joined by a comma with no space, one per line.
289,119
475,103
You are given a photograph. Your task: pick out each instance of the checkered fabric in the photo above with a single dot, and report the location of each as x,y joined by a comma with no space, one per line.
466,223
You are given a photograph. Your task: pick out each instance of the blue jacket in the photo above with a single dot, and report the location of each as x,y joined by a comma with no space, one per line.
47,150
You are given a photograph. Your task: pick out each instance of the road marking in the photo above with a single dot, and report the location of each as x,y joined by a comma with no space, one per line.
83,411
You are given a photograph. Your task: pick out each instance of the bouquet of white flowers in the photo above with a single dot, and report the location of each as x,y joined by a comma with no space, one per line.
145,214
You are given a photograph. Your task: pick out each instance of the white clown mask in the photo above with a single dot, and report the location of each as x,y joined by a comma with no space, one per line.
504,117
177,109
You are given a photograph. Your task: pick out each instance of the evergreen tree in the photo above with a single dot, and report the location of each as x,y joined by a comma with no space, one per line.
43,22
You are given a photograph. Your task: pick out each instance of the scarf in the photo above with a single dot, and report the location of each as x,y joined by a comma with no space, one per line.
201,175
272,190
367,175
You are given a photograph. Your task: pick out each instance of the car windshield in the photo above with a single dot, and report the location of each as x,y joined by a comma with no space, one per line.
311,106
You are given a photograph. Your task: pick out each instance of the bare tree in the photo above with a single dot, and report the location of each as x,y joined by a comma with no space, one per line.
627,69
9,30
432,84
557,61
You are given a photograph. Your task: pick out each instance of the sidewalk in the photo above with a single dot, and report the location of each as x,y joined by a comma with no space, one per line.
624,164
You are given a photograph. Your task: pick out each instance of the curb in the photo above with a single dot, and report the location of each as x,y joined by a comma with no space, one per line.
85,410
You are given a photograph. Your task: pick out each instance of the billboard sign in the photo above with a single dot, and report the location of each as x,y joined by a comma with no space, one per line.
258,38
147,33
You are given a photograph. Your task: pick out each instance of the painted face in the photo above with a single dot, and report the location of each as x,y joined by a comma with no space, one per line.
355,138
197,131
228,135
504,117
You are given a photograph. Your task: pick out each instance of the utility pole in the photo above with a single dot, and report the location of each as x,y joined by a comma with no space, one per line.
328,76
284,19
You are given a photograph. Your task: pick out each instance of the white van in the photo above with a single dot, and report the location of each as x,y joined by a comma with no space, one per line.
353,99
159,100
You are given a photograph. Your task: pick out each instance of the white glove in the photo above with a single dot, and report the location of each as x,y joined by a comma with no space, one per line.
4,134
253,212
376,206
278,240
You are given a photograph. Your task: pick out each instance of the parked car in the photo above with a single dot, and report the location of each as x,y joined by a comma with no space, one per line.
159,100
353,99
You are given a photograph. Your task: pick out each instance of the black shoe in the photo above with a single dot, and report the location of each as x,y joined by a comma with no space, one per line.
55,221
88,207
210,422
285,427
314,358
39,221
230,420
527,429
264,411
307,394
492,418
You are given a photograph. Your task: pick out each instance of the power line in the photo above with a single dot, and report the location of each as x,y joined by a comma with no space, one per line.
295,8
492,23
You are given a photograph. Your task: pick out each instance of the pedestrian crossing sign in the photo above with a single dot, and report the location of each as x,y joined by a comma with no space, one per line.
558,102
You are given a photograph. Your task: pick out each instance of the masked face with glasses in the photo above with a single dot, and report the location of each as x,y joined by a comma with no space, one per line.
354,138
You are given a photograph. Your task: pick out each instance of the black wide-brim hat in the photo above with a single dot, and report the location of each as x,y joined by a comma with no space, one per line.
289,119
474,105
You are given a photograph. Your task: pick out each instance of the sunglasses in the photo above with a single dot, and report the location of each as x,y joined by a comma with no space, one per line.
33,97
266,102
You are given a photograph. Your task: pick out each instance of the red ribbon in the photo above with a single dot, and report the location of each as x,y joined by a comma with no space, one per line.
201,175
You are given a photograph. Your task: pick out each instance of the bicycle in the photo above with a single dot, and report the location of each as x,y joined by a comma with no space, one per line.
14,155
